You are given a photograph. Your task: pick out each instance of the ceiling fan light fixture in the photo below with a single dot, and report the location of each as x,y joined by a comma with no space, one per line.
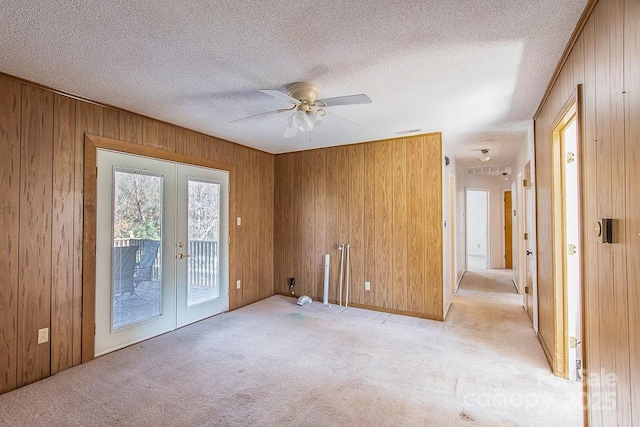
485,156
291,122
300,120
314,119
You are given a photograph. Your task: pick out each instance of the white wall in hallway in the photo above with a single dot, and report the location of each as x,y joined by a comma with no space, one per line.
477,224
495,184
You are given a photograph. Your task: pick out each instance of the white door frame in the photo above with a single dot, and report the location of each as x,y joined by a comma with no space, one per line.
488,240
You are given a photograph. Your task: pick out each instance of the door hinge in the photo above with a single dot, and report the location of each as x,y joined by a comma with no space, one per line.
94,329
525,183
572,249
526,236
526,289
96,172
571,157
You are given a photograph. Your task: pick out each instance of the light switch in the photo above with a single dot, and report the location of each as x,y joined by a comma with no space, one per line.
239,221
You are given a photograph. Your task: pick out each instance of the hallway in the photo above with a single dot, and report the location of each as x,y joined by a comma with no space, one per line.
488,311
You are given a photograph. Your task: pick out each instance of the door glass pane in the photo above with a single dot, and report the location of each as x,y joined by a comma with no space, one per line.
203,238
137,236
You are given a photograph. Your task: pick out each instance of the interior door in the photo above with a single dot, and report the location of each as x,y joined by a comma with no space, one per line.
508,230
162,247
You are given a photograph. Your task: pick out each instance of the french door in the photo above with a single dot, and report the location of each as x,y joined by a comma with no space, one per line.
162,247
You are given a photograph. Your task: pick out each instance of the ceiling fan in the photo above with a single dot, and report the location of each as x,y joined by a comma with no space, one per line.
307,110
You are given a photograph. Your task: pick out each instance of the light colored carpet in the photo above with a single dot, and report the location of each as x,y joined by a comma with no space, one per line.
276,364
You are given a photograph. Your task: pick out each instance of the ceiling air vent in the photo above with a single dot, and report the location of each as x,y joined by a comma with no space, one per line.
404,132
489,170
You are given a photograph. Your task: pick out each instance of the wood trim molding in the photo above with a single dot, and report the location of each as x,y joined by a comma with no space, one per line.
567,51
92,144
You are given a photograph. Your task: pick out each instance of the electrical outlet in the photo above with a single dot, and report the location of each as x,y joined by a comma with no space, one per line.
238,221
367,286
237,284
43,335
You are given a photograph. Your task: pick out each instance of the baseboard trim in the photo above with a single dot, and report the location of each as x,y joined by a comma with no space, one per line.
373,308
545,350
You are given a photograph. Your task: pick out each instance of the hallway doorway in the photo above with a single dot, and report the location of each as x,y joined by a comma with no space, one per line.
477,229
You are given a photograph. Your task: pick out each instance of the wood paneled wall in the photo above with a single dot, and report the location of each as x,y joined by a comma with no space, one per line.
41,188
384,199
606,61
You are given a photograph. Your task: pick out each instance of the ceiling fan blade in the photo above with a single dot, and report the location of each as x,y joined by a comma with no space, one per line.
279,95
289,133
345,121
346,100
282,110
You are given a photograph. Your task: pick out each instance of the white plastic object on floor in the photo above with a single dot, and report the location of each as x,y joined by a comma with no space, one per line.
304,300
346,299
325,296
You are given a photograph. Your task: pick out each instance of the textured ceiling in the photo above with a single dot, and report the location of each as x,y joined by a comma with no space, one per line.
475,70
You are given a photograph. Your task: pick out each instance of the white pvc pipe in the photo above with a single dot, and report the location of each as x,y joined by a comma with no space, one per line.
346,300
341,249
325,297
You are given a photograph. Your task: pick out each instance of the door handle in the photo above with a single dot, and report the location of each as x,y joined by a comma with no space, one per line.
529,253
182,256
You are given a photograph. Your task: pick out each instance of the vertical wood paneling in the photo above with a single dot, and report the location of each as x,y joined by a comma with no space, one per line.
62,239
603,186
306,232
10,113
131,128
590,284
383,225
283,227
35,252
150,133
89,119
621,294
342,176
632,179
369,223
166,137
266,211
111,123
416,209
433,219
236,296
356,223
384,199
254,230
318,164
332,232
399,225
181,140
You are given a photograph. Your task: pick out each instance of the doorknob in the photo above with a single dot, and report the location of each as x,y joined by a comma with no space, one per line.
182,256
529,253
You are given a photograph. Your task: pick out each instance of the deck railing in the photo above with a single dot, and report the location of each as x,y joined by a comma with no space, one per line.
202,262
